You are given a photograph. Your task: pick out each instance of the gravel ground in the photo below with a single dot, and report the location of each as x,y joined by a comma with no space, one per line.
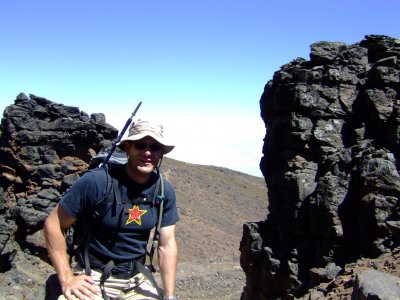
210,280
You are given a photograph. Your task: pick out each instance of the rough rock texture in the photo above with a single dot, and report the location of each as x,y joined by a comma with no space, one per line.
372,284
44,146
331,166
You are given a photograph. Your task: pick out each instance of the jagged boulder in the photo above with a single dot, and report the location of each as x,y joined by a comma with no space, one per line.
372,284
331,164
44,148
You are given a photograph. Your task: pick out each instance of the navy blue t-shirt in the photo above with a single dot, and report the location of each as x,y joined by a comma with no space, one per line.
122,234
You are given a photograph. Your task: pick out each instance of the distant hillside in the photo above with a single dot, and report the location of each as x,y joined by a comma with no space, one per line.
213,204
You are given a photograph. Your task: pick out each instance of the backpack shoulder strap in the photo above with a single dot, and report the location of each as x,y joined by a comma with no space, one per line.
110,198
158,198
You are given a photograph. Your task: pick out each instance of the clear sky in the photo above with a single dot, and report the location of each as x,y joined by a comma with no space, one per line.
198,66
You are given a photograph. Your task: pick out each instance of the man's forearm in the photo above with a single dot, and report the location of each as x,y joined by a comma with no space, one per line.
57,248
60,260
167,256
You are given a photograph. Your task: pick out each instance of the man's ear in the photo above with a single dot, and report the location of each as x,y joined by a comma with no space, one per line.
127,146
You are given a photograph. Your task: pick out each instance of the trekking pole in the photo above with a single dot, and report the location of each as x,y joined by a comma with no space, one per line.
119,137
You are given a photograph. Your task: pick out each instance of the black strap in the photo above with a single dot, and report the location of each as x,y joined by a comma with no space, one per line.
106,274
146,272
86,260
117,192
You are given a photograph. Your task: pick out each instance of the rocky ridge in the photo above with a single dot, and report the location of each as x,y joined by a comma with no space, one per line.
331,163
44,147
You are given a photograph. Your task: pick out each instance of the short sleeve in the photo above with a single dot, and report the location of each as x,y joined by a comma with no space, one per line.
170,211
83,194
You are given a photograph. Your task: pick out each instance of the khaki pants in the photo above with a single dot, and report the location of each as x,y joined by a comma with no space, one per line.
135,288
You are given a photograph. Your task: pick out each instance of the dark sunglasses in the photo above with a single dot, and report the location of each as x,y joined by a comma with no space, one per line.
152,147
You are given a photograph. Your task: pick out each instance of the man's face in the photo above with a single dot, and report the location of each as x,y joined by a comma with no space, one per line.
143,155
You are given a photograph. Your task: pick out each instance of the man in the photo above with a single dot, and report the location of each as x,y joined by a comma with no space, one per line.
121,235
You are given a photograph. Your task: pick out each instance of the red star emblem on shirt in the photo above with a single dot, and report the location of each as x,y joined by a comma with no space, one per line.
135,215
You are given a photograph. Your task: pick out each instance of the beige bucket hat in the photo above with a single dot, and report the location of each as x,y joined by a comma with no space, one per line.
143,128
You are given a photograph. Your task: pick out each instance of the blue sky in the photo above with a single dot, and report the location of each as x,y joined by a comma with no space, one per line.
198,66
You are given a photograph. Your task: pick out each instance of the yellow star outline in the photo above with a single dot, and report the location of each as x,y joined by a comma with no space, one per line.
135,215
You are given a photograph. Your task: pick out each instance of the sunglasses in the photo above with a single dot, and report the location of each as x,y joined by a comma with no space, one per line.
152,147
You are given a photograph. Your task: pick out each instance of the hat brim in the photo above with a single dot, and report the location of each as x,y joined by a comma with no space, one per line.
165,147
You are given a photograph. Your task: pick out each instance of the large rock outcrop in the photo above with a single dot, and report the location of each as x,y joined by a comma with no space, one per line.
44,147
331,164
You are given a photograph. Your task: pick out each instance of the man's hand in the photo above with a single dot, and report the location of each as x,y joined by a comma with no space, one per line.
80,286
73,286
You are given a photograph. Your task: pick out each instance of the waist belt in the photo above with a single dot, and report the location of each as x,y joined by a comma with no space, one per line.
129,264
98,264
126,269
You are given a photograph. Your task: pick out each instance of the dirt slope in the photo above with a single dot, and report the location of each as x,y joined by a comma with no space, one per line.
214,203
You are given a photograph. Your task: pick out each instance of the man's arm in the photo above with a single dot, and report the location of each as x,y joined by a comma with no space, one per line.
168,258
54,228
